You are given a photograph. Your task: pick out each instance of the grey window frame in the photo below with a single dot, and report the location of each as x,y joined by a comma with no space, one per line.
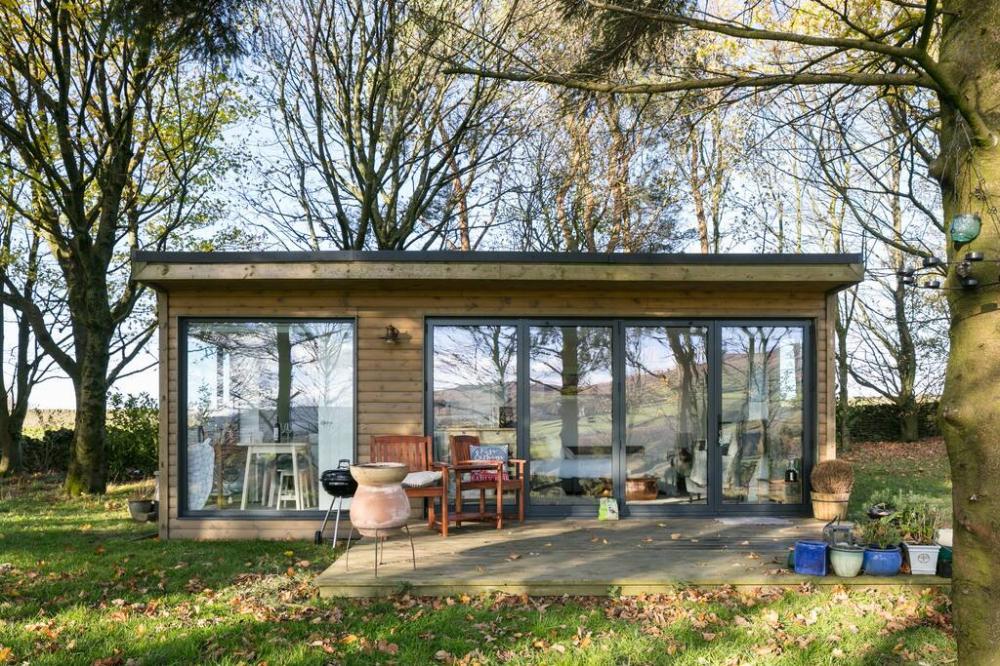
183,513
714,506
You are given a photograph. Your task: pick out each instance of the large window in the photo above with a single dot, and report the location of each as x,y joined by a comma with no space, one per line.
269,406
572,439
475,384
761,425
661,415
666,414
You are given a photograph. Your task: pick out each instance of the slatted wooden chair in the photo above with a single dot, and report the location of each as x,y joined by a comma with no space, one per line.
512,481
416,452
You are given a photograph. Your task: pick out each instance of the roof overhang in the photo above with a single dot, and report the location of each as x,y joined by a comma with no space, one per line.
166,270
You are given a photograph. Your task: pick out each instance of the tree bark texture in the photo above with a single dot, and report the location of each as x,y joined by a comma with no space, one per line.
970,405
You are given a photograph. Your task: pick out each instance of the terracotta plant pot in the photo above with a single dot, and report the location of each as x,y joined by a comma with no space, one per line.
830,506
379,474
641,488
380,504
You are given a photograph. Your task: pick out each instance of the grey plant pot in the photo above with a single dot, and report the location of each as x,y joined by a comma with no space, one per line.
923,559
846,560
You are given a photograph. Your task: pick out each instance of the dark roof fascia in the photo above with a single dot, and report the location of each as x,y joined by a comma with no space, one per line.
405,256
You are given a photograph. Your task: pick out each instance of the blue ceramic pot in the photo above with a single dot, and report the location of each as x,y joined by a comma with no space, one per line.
882,561
810,558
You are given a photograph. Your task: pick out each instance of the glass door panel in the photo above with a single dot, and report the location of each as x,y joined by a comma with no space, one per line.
762,414
571,433
475,385
666,415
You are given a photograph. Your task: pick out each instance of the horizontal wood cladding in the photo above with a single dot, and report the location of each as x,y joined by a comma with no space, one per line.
390,377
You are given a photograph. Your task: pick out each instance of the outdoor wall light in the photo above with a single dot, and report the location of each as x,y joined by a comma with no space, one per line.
970,283
930,262
973,256
909,279
932,284
965,227
391,336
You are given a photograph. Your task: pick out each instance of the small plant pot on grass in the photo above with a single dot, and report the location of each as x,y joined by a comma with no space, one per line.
143,510
846,559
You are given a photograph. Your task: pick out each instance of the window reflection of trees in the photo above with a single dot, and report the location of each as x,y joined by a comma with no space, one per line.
251,380
475,382
762,402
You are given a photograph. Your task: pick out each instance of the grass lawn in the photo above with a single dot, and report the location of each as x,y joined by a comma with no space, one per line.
79,585
919,467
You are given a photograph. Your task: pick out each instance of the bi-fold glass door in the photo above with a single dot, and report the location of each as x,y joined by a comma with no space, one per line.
664,416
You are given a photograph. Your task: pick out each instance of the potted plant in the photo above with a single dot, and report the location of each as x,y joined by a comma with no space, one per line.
832,481
846,559
882,554
143,509
917,524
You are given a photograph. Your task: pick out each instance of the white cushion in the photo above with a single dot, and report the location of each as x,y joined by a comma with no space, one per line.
421,479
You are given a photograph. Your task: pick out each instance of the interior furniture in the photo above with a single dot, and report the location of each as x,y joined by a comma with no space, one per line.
201,472
298,492
510,476
416,452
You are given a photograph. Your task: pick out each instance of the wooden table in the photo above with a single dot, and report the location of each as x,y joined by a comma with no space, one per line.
458,516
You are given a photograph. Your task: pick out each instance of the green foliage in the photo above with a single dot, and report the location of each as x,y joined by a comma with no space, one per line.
133,427
881,533
871,421
915,515
131,447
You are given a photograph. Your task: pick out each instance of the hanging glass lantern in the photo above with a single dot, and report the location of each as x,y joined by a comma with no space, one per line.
965,227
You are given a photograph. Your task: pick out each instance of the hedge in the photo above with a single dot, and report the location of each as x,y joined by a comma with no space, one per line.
871,421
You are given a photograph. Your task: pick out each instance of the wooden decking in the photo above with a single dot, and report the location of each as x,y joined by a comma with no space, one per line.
584,557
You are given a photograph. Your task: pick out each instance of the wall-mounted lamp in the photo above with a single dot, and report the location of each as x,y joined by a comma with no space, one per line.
391,336
965,227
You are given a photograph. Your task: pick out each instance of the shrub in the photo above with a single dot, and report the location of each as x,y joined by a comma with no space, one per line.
131,445
832,476
879,533
133,427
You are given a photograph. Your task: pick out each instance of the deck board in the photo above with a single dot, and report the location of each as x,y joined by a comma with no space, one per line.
584,557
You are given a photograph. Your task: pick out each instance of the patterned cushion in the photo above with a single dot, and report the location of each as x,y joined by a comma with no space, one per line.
488,452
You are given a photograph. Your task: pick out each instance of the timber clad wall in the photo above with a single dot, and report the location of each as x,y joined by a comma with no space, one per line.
390,378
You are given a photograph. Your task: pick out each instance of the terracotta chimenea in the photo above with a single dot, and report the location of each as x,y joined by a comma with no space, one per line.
380,504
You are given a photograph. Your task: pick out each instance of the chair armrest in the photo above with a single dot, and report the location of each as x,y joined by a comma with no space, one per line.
519,463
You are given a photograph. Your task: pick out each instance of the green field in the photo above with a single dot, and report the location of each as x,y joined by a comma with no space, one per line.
80,585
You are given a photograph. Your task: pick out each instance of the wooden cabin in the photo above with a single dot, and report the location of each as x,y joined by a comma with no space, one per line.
677,384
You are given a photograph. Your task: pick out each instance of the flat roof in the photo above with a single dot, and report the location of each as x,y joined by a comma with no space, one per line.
826,271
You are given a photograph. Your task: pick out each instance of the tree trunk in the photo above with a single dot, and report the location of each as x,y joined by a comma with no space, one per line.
970,410
909,423
87,468
10,448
